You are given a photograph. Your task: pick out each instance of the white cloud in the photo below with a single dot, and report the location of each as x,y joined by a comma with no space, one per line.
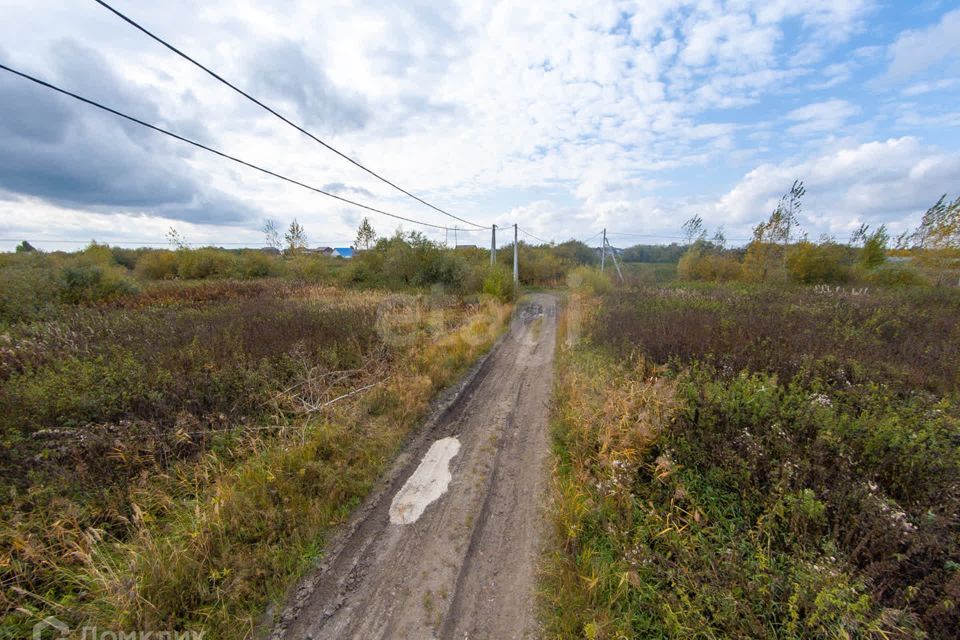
818,117
890,182
915,51
567,113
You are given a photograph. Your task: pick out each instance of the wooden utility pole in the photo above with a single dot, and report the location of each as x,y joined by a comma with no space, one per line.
613,254
516,268
603,250
493,245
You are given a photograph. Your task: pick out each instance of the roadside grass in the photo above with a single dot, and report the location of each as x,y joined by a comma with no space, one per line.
184,462
802,484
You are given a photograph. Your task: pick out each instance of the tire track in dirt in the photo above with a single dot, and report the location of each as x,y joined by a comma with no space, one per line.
466,568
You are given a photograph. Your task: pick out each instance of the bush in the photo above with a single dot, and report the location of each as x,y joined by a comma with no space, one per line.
28,287
499,283
311,267
92,275
894,276
157,265
697,264
589,280
810,263
257,264
205,263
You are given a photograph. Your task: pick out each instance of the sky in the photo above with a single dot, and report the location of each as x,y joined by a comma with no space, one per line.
565,117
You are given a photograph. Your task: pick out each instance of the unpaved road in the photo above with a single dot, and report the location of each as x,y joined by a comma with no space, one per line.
466,566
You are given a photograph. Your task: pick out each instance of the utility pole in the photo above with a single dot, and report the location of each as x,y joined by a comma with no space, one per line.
603,250
613,254
493,245
516,268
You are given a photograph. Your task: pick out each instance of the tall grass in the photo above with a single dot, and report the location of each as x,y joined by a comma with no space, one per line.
757,463
185,457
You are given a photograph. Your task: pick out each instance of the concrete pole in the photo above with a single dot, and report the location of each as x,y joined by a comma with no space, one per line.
603,250
493,245
516,268
616,263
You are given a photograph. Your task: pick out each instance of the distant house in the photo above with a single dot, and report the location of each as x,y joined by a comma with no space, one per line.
325,251
343,252
273,251
466,246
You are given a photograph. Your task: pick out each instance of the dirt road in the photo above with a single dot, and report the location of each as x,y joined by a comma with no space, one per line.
447,546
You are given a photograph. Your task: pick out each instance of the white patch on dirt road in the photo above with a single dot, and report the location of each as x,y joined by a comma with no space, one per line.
427,483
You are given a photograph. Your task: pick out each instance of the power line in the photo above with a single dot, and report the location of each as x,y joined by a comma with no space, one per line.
533,236
299,128
212,150
661,237
155,242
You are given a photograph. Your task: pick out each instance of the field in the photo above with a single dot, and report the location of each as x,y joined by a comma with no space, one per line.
757,461
173,454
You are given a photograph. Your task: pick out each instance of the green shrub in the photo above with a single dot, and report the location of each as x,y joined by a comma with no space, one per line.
311,267
697,264
589,280
92,275
498,283
894,276
157,265
810,263
205,263
257,264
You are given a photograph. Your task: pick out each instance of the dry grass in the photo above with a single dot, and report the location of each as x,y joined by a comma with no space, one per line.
757,463
201,520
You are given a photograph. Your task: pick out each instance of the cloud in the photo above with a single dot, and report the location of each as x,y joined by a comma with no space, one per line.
566,116
68,154
283,70
339,187
890,182
915,51
818,117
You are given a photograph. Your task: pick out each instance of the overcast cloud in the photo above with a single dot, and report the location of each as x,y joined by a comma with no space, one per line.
563,116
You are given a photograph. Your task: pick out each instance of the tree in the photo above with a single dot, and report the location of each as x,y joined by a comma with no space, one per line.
366,236
764,249
874,252
770,238
272,233
296,237
175,238
25,247
719,239
694,230
860,235
938,236
790,205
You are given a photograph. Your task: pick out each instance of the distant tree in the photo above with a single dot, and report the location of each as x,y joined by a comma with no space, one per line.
764,250
770,238
719,239
25,247
654,253
859,236
790,206
272,233
576,252
874,252
296,237
176,239
694,230
938,237
366,236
